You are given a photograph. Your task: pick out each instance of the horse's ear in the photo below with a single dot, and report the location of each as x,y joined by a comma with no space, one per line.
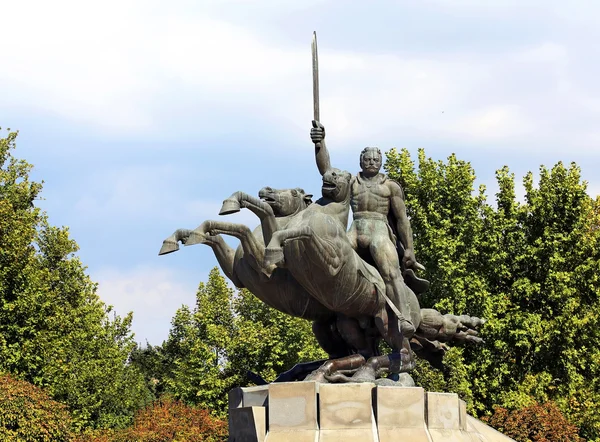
308,199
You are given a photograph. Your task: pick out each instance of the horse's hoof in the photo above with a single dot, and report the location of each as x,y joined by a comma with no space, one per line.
229,206
196,237
169,246
273,257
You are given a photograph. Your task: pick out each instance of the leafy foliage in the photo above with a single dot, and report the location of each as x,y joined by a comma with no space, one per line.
535,423
530,268
28,414
210,348
166,420
54,330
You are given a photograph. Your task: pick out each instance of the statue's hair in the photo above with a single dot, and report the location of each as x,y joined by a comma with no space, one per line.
367,149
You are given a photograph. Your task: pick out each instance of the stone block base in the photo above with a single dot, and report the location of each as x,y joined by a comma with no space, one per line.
311,412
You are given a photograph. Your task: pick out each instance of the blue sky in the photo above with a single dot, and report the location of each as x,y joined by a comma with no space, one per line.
142,116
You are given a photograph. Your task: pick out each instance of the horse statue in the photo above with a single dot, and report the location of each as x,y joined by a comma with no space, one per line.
243,266
311,249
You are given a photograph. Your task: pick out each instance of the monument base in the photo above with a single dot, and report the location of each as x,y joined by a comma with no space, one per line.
361,412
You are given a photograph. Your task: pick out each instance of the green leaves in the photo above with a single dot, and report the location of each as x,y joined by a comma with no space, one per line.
530,268
210,348
54,330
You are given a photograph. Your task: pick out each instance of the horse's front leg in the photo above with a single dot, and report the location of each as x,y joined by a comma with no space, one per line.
171,244
253,248
322,252
224,254
240,200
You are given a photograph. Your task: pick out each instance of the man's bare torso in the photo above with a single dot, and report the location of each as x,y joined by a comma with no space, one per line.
370,202
370,195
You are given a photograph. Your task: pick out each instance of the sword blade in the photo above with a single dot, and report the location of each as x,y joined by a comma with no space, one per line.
315,72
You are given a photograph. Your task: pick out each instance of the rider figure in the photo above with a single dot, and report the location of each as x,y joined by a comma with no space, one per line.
374,200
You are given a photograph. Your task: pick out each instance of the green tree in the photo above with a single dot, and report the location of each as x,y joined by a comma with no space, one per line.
269,342
150,360
196,349
530,268
210,348
54,330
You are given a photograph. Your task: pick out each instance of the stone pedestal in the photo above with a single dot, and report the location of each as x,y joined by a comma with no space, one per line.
400,414
311,412
346,413
293,412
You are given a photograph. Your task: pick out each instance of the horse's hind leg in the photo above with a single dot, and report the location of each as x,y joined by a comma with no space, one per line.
330,339
382,323
355,336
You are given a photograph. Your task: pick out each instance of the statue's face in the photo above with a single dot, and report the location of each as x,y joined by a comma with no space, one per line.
370,162
336,184
285,202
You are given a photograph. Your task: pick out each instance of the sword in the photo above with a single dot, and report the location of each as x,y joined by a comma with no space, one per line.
315,72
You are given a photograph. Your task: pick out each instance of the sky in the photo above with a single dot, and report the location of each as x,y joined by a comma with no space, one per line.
142,116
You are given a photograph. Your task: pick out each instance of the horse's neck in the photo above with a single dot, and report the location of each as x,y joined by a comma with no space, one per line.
298,210
339,211
283,220
342,213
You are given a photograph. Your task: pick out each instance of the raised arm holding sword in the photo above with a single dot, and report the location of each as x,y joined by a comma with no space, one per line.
379,214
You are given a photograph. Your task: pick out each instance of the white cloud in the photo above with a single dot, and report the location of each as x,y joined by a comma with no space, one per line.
114,64
81,60
547,52
492,122
437,97
127,192
130,67
157,193
152,293
209,54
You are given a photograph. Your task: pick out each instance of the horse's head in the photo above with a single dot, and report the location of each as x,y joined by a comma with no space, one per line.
285,202
336,185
